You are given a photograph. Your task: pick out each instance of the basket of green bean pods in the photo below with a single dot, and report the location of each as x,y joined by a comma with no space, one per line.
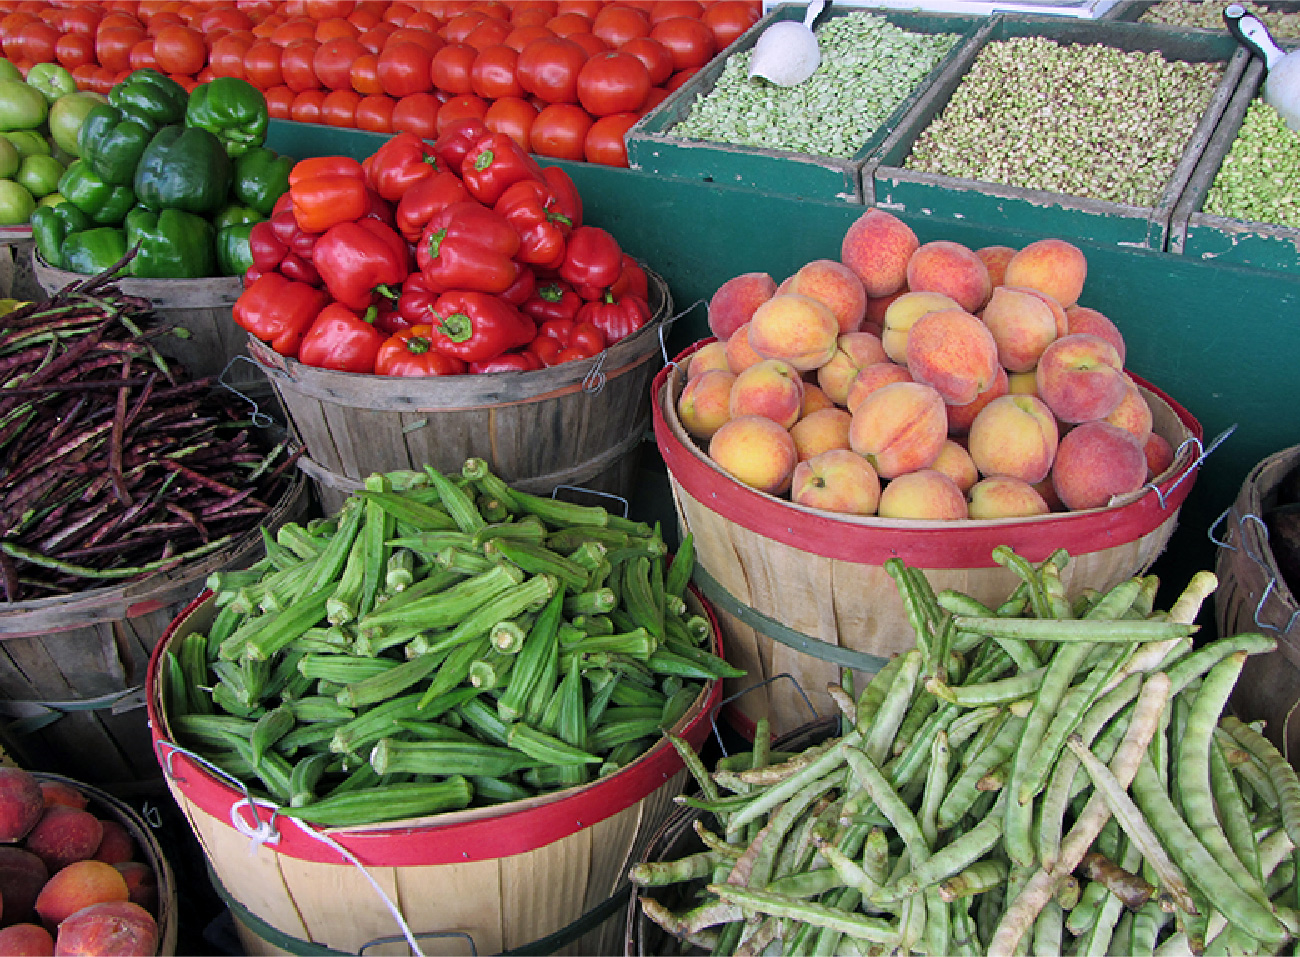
1046,776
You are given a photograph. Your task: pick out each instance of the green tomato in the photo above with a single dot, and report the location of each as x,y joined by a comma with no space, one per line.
40,174
66,116
16,203
10,159
8,71
27,142
52,80
22,107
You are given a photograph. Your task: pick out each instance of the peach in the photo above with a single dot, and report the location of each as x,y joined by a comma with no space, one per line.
771,388
79,885
757,452
1047,490
995,259
874,319
1014,435
740,355
836,480
872,378
734,302
952,269
854,351
814,400
1087,319
902,315
1159,454
115,929
835,285
821,431
785,285
60,792
1023,383
712,355
141,884
1080,377
705,403
877,246
64,835
955,462
899,428
926,494
26,940
954,352
22,875
796,328
1022,325
1003,496
21,803
116,845
1133,414
1053,266
1095,462
961,416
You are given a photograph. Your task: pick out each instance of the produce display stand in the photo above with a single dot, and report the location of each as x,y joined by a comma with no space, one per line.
652,146
16,278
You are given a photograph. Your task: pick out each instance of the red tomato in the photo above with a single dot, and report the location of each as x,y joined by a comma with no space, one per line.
452,66
423,20
565,23
262,65
588,8
493,73
495,9
364,75
335,29
375,38
113,46
167,18
666,9
525,15
488,33
296,66
307,106
375,113
74,50
589,42
548,68
678,79
613,82
39,40
425,38
605,142
295,28
654,55
180,50
460,26
85,75
279,101
227,55
325,9
142,57
225,19
339,108
560,131
512,116
417,113
82,19
656,96
689,41
521,36
404,69
616,24
728,19
333,62
398,12
366,18
465,106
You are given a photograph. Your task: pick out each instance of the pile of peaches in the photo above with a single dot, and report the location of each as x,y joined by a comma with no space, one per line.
922,381
70,882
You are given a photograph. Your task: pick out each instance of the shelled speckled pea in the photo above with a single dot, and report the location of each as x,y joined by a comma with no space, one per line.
1259,179
869,66
1085,120
1208,15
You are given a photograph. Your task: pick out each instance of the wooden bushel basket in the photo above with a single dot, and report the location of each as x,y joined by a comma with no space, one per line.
577,423
494,878
1253,596
17,249
801,592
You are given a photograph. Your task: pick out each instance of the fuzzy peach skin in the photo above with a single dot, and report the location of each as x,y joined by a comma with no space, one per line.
796,328
902,315
711,355
1133,414
1023,383
1022,325
814,400
22,875
64,835
1080,377
116,929
854,351
925,494
1014,435
757,452
1054,266
877,247
961,416
76,886
770,388
836,286
1002,496
837,480
952,269
872,378
954,352
874,320
899,428
822,431
734,302
21,803
1087,319
995,259
1159,454
705,403
1095,462
955,462
740,355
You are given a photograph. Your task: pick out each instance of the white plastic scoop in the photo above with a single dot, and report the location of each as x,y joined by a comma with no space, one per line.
786,53
1282,87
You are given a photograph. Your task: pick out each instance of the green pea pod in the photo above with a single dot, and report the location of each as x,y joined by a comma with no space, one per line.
173,244
93,250
183,168
151,97
105,203
233,110
53,224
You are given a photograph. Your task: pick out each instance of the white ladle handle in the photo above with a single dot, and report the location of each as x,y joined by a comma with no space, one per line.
1251,32
813,12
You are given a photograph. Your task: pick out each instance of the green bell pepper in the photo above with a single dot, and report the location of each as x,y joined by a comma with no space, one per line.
236,215
261,177
93,250
183,167
53,224
111,143
150,97
233,255
52,79
104,203
233,110
173,244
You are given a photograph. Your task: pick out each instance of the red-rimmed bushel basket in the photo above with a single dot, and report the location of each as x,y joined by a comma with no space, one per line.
801,592
548,873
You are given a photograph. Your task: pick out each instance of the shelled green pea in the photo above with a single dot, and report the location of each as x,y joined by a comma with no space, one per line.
1208,15
1260,177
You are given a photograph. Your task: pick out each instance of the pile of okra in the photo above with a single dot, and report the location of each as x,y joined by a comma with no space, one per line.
442,641
1051,776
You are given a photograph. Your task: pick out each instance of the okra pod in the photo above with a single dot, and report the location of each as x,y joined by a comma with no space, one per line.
446,758
390,802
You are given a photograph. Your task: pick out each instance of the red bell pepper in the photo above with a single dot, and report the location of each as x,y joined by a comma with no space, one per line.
379,208
340,339
616,318
577,339
546,349
592,261
400,164
410,352
430,195
467,246
279,311
457,140
388,319
522,289
474,326
415,305
270,254
632,280
359,259
508,362
554,299
493,163
567,196
532,207
327,190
